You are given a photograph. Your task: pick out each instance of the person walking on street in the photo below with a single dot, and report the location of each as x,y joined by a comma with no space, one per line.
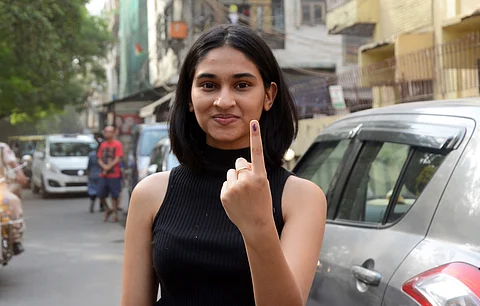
8,160
229,225
93,172
109,156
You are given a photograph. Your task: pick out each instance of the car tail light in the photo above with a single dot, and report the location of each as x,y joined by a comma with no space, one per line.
454,284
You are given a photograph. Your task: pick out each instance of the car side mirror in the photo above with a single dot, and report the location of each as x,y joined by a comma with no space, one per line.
152,169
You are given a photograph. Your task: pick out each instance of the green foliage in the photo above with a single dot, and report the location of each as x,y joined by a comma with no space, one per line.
49,56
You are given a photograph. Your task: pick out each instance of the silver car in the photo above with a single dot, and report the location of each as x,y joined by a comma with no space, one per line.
403,219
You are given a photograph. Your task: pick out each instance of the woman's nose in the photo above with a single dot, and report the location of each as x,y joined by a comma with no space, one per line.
225,100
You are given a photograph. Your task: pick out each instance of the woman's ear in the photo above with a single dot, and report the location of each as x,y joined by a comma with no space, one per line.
190,107
270,94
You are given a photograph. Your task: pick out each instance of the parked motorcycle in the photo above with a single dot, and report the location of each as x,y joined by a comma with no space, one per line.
7,226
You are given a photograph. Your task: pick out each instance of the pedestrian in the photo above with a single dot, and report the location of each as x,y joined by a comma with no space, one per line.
8,160
229,226
93,171
109,156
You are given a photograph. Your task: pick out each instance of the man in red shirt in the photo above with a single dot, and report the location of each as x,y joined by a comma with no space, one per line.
109,155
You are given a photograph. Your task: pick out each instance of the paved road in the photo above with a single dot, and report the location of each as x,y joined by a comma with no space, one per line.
72,257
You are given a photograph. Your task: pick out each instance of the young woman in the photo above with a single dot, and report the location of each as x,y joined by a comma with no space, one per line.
229,226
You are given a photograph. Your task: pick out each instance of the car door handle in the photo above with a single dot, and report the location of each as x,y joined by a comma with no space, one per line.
366,276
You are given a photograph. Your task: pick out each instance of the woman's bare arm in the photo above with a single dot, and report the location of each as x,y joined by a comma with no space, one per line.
283,271
139,282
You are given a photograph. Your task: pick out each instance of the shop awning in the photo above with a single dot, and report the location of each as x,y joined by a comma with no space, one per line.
150,108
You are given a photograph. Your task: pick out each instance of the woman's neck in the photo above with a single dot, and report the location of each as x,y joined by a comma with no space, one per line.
221,160
231,145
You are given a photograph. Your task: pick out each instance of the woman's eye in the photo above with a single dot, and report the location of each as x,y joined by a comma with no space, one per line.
243,85
208,86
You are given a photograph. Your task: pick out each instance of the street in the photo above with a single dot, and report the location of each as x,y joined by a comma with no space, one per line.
71,256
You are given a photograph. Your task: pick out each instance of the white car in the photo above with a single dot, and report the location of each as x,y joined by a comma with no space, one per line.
59,164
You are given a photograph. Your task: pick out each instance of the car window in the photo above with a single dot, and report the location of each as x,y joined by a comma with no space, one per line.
371,181
375,176
148,140
64,149
322,162
419,172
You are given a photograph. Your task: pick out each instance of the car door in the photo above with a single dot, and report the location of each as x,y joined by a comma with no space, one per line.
38,159
373,222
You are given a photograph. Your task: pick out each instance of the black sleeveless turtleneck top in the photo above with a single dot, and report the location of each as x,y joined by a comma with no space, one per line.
198,254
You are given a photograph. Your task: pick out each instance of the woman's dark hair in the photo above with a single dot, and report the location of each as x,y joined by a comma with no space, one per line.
278,125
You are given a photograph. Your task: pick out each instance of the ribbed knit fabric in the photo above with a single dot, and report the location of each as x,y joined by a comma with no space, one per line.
198,253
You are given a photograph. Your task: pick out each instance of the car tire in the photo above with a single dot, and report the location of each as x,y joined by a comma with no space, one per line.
34,187
45,194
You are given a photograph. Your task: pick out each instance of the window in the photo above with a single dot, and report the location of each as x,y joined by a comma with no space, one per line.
374,182
313,12
64,149
419,172
322,163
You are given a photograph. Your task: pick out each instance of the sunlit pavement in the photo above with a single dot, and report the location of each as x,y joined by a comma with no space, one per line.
71,256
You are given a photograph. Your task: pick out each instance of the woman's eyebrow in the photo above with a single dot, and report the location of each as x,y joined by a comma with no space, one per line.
235,76
243,75
206,76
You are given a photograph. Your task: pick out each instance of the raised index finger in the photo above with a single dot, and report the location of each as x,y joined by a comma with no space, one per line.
256,147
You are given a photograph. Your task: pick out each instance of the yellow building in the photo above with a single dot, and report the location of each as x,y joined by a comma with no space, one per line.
421,49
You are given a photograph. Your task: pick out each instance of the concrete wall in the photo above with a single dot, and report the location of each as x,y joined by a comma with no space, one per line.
307,46
403,16
308,130
467,6
353,12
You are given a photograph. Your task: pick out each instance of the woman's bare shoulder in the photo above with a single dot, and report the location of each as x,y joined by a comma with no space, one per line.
301,194
149,194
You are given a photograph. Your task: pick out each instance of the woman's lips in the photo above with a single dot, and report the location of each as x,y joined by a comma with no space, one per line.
225,119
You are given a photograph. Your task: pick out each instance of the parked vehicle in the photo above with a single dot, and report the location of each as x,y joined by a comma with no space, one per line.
144,138
60,162
403,189
162,157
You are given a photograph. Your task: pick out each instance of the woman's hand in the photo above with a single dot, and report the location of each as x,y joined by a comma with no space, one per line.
246,193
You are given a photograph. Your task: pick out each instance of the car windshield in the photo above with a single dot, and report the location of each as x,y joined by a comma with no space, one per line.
148,141
63,149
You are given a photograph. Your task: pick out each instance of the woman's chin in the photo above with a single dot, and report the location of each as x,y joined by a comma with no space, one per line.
228,142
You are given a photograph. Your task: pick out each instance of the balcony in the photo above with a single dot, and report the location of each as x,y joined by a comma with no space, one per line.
354,17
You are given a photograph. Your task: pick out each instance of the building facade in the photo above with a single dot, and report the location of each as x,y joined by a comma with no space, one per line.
420,50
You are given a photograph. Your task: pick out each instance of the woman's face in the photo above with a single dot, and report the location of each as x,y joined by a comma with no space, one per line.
227,93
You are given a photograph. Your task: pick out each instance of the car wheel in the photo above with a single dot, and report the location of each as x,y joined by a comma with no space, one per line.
34,187
45,194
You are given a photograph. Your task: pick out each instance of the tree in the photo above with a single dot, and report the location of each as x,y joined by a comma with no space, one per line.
50,52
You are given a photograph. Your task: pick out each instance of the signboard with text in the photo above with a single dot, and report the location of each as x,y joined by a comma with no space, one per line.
336,96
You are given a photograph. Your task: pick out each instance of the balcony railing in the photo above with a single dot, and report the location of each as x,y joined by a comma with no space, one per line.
447,70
